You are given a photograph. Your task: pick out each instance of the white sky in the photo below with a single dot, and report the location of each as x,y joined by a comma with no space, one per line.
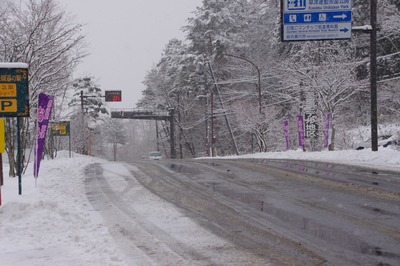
126,38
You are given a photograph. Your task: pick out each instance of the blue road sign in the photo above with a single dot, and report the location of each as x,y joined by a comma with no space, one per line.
304,20
317,17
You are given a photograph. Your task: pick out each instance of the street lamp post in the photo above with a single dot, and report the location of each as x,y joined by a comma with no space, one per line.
258,84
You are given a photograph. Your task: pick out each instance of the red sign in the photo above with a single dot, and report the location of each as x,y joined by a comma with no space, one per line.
113,96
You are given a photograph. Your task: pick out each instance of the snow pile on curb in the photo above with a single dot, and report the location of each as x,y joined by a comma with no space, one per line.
53,223
384,158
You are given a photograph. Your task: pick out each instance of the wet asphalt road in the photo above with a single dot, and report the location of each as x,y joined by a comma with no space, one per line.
288,212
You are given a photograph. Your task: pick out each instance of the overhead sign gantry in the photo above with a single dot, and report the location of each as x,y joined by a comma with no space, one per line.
150,115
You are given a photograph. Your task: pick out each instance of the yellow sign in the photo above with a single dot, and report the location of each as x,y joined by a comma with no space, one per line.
60,129
8,90
2,136
8,105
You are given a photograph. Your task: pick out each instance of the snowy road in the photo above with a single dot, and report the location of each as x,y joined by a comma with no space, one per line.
249,212
150,230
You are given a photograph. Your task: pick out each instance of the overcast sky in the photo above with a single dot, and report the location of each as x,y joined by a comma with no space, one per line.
126,38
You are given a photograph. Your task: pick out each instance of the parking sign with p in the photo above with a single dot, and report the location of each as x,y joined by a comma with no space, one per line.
14,91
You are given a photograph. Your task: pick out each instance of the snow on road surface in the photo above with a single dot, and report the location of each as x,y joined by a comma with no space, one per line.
54,223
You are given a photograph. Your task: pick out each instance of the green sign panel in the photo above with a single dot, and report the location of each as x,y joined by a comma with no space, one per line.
14,91
60,128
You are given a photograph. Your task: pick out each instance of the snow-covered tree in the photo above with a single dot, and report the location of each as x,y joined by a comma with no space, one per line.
218,25
88,96
112,132
42,35
88,109
172,84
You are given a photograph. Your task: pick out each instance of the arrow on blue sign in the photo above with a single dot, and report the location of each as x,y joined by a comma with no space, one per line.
344,30
342,16
316,17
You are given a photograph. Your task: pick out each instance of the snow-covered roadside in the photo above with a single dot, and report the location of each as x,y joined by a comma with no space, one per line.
53,223
384,158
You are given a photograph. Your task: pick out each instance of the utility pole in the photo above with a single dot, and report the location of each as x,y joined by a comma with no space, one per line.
373,77
84,150
82,101
224,112
213,138
172,132
157,138
372,30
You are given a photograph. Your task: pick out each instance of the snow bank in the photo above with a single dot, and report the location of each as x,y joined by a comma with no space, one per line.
53,224
384,158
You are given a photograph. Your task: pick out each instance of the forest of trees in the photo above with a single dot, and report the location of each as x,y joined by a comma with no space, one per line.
231,81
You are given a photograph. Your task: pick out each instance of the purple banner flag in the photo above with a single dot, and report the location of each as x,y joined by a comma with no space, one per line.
300,127
327,125
286,130
45,104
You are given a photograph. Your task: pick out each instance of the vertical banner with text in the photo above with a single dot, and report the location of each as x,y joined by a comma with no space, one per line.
300,127
286,130
45,104
310,125
327,125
